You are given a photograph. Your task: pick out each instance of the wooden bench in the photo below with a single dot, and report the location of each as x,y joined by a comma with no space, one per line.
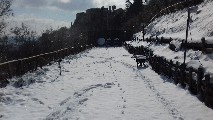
140,60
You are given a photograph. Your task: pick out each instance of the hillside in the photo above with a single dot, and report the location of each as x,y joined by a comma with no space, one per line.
174,25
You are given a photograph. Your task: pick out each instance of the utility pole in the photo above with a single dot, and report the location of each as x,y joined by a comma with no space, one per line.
143,26
187,30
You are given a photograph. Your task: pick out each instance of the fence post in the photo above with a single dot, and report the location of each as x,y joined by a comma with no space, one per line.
18,68
157,62
40,62
170,39
161,40
36,63
200,76
176,73
157,40
164,67
67,52
22,67
183,76
170,68
203,45
207,87
192,88
9,70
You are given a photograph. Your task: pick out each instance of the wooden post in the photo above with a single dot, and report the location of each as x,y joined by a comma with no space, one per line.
161,40
192,88
22,67
18,68
207,87
170,39
9,70
157,40
190,78
183,76
157,63
187,31
59,65
66,52
27,63
165,69
36,63
203,45
200,75
176,73
162,65
170,68
40,62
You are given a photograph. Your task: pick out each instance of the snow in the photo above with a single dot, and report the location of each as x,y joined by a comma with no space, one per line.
194,59
99,84
174,25
105,83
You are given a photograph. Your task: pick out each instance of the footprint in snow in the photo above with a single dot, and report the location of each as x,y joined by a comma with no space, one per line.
122,112
37,100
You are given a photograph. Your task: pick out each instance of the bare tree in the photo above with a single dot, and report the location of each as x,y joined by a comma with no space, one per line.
5,11
25,40
22,34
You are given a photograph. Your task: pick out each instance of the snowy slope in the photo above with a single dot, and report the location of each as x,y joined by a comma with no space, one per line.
174,25
99,84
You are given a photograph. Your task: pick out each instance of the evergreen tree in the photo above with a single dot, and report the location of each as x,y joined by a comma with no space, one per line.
135,8
128,4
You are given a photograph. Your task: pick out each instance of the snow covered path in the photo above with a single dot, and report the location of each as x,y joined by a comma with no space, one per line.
100,84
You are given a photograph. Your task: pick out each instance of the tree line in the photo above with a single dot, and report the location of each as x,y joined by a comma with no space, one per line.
27,43
142,11
22,41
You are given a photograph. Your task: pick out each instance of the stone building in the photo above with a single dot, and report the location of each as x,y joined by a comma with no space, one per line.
101,23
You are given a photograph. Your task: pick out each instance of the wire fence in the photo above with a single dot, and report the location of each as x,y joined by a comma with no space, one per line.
30,64
196,80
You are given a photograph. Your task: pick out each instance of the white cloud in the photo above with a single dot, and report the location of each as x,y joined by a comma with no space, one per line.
65,1
70,5
41,14
38,24
106,3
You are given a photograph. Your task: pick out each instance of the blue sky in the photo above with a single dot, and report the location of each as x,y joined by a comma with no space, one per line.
41,14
